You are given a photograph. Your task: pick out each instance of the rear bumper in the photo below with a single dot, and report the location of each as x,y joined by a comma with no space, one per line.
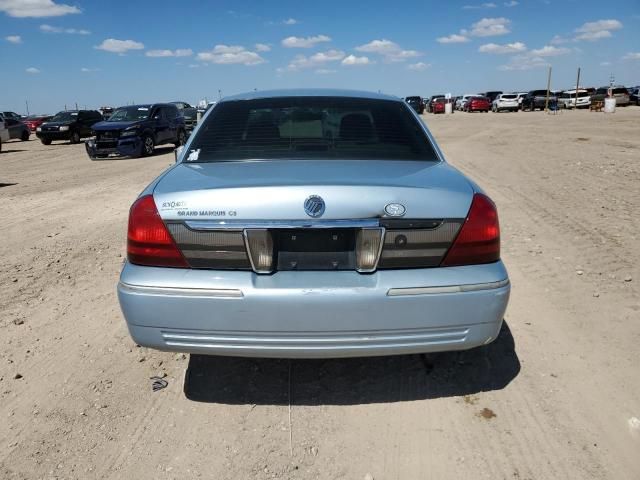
314,314
119,148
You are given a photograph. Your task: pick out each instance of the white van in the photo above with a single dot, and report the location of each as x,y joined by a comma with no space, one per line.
4,132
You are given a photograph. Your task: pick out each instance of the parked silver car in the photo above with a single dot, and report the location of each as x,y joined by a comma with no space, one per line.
313,223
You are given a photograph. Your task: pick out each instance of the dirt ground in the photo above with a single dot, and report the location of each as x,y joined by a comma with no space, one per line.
557,396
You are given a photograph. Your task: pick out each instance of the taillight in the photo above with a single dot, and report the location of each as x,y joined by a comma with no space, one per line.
148,240
479,238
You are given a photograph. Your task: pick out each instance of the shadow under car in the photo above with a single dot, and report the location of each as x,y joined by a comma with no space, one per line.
351,381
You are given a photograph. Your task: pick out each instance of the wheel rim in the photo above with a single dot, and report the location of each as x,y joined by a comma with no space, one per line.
75,138
148,145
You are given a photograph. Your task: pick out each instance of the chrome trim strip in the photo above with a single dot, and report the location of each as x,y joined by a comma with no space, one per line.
259,224
182,292
474,287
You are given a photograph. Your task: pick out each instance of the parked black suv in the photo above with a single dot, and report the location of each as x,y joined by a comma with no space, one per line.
72,125
416,103
537,99
492,95
135,130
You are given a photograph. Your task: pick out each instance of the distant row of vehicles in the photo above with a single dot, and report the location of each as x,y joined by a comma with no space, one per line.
129,131
498,101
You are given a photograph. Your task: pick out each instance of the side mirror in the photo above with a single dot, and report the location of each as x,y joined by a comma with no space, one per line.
178,153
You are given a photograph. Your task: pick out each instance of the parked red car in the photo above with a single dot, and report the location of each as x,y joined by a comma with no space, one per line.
34,121
478,104
438,105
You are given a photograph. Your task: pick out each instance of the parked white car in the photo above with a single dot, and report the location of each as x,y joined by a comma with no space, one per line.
568,99
505,101
4,132
462,101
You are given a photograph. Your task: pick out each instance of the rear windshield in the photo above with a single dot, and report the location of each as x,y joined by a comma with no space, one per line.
620,90
509,96
311,128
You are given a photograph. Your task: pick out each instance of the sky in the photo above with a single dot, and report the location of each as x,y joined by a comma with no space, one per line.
57,53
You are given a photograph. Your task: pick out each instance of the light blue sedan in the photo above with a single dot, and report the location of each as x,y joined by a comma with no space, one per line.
313,223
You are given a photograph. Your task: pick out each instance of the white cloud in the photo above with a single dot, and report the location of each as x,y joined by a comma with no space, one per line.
632,56
33,70
549,51
352,60
13,39
494,48
536,58
316,60
418,67
453,38
36,8
230,54
290,21
605,64
87,69
194,65
486,27
72,31
524,62
489,27
304,42
180,52
592,31
325,71
510,4
119,46
482,5
262,47
558,40
389,50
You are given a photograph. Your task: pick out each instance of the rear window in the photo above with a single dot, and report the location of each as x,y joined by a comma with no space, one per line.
509,97
620,90
311,128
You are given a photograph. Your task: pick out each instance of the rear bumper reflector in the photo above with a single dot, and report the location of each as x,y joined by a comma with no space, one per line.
396,292
183,292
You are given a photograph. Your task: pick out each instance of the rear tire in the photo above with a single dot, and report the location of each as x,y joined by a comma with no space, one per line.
45,141
75,138
25,136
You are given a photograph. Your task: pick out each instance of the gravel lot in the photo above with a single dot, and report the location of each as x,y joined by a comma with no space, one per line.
556,397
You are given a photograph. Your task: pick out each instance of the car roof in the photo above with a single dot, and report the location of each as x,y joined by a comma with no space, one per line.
310,92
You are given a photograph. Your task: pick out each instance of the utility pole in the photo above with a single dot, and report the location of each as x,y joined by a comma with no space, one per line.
577,85
26,102
546,100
